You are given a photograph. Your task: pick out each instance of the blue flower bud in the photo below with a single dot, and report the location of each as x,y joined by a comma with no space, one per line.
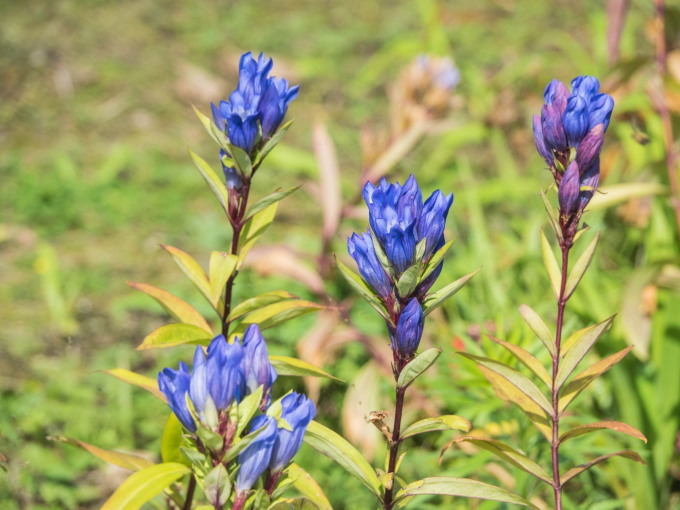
256,366
553,129
575,120
600,110
568,193
585,86
298,411
174,384
274,104
406,338
433,219
254,460
555,90
361,249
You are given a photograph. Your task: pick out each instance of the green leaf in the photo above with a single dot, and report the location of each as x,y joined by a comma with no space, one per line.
277,313
515,378
124,460
218,136
272,142
408,280
147,383
242,444
192,269
217,486
296,367
435,299
215,183
144,485
446,422
254,228
460,487
552,215
241,160
508,454
551,265
247,408
360,286
172,440
268,200
222,266
582,380
417,366
527,359
577,347
616,426
294,504
580,267
539,328
179,309
628,454
435,260
175,334
257,302
308,487
343,453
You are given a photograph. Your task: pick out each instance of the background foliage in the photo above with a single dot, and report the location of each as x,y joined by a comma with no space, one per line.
95,121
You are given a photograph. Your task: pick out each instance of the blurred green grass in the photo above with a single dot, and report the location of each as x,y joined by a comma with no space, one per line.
95,123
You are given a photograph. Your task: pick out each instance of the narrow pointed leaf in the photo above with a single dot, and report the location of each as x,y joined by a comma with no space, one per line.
175,334
508,454
215,183
343,453
191,268
435,260
247,408
358,284
308,487
172,440
552,215
179,309
296,367
219,137
257,302
417,366
241,159
293,504
581,266
124,460
628,454
578,348
269,200
255,227
460,487
222,266
582,380
611,425
511,393
446,422
515,378
538,327
145,485
272,142
551,265
147,383
277,313
527,359
435,299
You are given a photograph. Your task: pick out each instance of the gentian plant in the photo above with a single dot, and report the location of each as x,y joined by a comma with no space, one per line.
568,134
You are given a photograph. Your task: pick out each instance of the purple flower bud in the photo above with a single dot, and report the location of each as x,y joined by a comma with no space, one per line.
555,90
590,147
575,120
589,180
174,384
361,249
298,411
568,193
256,366
406,338
254,460
540,141
553,129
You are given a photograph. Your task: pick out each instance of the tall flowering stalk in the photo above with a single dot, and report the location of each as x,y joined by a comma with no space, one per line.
569,134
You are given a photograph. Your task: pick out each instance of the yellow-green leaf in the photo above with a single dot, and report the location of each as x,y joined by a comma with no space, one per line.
254,228
538,327
144,485
147,383
628,454
296,367
417,366
124,460
175,334
179,309
308,487
446,422
276,313
551,265
257,302
432,301
191,268
215,183
527,359
171,441
616,426
268,200
581,266
222,266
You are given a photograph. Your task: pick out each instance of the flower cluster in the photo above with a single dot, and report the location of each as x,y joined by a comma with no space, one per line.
569,135
404,235
254,110
207,397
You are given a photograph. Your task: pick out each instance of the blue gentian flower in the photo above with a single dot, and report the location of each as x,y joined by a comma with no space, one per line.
256,365
406,337
174,384
254,460
361,249
298,411
257,107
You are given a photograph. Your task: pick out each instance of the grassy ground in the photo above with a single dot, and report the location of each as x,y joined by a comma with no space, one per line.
94,127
